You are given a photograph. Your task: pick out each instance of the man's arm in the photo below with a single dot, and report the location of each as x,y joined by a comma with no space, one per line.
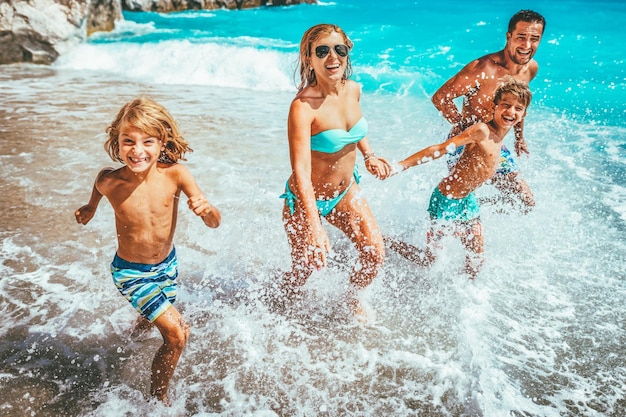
520,141
457,86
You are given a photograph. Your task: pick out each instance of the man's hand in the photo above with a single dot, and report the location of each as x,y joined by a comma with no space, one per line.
520,146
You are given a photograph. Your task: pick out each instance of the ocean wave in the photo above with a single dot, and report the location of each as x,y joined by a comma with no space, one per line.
187,63
255,64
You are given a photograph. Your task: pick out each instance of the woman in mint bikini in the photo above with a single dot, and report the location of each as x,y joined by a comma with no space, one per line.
325,129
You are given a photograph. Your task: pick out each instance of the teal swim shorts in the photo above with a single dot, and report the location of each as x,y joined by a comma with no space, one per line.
150,288
444,208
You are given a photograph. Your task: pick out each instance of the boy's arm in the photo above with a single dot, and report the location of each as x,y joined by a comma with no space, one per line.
472,134
85,213
196,201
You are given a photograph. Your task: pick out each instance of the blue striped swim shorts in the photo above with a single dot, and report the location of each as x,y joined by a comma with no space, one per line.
150,288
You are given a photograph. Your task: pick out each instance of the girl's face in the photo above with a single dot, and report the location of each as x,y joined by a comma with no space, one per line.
329,57
138,150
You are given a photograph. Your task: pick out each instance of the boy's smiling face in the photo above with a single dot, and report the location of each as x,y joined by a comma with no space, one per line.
509,111
138,150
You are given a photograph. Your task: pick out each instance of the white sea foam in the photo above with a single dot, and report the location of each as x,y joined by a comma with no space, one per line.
188,63
540,332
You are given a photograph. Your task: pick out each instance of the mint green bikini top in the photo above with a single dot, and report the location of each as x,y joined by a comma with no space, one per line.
334,140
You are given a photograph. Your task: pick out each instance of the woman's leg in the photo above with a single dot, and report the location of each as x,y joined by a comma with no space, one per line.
354,218
295,230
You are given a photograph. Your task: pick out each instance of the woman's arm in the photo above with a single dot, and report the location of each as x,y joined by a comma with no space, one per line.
376,165
299,124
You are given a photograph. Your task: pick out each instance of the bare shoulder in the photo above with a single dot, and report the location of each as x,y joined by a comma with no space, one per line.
108,178
533,68
175,171
490,63
471,75
307,97
479,131
109,174
352,87
302,108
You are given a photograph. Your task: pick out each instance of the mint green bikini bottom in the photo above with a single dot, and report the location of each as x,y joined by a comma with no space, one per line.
323,206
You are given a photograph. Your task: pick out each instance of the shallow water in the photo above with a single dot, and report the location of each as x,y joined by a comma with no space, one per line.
539,333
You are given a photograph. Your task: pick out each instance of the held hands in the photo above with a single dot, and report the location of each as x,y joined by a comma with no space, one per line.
396,168
84,214
377,166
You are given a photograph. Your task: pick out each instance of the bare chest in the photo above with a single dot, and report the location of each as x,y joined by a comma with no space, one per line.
146,203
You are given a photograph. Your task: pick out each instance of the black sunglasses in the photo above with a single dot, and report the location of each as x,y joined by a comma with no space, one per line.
323,50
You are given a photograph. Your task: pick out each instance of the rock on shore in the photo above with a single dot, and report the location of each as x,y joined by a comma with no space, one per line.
38,31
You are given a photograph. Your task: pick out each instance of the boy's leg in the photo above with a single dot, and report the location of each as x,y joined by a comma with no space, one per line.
175,332
141,327
472,239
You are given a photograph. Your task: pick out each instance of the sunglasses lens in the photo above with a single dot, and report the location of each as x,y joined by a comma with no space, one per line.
321,51
342,50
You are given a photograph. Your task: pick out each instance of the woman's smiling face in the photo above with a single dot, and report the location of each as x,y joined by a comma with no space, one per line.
332,65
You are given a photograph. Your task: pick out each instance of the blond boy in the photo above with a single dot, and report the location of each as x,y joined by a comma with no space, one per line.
144,194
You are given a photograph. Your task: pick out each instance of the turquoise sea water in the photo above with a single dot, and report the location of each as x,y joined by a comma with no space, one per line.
401,47
541,332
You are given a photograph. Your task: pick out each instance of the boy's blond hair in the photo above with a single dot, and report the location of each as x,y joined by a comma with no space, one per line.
153,119
510,84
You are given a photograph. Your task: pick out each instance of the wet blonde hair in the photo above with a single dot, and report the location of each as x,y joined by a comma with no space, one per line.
307,75
514,86
153,119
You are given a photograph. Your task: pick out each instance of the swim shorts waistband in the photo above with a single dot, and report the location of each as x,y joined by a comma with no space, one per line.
124,264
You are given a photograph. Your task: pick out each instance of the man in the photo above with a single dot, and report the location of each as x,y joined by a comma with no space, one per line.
478,81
